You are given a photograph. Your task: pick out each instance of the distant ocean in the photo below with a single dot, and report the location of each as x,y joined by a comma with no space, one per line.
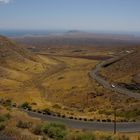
18,33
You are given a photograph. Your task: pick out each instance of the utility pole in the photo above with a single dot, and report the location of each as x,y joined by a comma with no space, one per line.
115,122
115,109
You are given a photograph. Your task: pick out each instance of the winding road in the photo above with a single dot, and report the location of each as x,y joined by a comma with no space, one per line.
107,85
92,125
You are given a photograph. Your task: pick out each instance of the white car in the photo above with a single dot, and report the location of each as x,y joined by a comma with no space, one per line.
113,86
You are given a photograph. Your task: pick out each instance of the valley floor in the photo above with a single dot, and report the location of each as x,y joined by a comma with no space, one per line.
66,88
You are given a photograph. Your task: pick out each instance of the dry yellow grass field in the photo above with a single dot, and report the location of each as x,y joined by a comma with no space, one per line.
61,84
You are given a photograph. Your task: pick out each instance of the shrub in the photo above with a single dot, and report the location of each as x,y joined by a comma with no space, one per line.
23,125
108,120
26,105
63,116
91,119
47,111
98,120
85,136
14,105
56,131
8,102
106,112
129,114
37,130
85,119
2,127
58,115
4,117
70,117
39,111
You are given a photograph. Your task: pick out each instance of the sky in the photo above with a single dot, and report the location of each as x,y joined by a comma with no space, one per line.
102,15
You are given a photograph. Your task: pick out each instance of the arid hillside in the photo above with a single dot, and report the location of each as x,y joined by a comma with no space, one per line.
17,58
18,70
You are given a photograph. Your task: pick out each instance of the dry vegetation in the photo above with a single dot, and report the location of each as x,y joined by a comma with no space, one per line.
18,126
18,70
125,72
59,83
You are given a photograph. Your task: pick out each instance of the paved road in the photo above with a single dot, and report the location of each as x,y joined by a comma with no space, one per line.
107,85
89,125
98,126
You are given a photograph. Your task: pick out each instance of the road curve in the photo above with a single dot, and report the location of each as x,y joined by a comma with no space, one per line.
107,85
89,125
92,125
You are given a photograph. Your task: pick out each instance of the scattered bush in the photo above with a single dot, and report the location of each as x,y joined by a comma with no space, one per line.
63,116
85,119
14,105
91,120
106,112
98,120
2,127
24,125
70,117
56,131
37,130
2,118
129,114
39,111
8,102
5,117
47,111
108,120
85,136
58,115
103,120
26,105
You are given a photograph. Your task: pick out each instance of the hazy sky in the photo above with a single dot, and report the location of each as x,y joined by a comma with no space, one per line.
118,15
